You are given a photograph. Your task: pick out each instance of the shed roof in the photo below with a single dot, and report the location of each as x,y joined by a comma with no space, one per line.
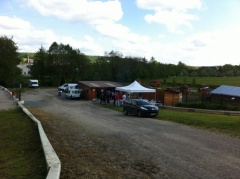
100,84
227,90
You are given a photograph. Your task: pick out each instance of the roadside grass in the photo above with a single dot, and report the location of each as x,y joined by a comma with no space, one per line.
214,122
21,153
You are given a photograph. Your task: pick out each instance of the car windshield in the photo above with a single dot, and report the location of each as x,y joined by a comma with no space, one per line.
140,103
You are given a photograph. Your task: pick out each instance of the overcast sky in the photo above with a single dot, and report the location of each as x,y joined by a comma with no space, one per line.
195,32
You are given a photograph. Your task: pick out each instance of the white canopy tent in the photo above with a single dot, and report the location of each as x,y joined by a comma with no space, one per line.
135,87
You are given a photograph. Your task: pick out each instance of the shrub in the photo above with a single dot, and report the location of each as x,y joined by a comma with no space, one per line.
209,105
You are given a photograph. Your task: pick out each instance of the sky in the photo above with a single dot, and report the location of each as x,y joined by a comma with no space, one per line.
194,32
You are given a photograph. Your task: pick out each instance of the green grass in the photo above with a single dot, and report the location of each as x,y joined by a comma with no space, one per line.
219,123
21,154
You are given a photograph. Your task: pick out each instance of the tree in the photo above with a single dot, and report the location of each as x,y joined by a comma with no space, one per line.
8,60
38,69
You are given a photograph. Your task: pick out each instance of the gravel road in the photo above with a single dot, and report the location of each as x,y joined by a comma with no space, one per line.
95,142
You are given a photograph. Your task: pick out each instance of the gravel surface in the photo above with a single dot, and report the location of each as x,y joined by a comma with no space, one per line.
6,100
95,142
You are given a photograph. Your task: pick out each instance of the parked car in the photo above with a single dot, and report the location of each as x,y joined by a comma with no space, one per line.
33,84
140,107
68,85
73,93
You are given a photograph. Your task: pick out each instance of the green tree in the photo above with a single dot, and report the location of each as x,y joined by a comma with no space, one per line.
38,69
8,60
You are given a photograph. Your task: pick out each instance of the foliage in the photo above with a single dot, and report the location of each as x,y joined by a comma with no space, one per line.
8,60
26,55
210,105
61,63
211,81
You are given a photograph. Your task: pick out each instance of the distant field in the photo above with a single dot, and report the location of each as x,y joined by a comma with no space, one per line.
213,81
92,58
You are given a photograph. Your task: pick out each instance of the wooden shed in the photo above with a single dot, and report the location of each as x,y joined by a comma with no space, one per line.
203,91
225,93
92,89
172,96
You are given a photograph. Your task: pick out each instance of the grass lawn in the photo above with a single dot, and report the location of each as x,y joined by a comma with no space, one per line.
214,122
219,123
21,154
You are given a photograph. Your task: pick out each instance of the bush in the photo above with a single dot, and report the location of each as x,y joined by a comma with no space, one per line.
210,105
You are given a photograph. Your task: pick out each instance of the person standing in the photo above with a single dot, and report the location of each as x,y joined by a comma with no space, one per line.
101,97
117,99
113,97
124,98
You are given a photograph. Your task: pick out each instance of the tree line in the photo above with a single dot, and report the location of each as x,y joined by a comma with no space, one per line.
61,63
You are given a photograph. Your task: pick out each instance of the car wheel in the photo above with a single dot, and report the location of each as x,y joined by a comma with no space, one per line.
71,97
139,114
125,112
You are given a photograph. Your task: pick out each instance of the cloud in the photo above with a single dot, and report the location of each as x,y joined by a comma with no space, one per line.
102,16
218,47
30,39
174,14
90,12
13,23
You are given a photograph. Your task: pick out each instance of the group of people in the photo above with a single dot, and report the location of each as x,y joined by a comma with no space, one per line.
107,95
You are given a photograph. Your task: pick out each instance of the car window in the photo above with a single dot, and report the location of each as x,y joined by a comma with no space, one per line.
140,103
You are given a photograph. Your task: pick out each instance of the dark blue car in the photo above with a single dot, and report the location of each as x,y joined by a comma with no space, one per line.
140,107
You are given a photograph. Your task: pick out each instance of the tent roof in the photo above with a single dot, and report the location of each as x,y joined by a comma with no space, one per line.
227,90
135,87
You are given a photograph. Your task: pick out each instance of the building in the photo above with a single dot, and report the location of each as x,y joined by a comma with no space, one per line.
92,89
172,96
224,93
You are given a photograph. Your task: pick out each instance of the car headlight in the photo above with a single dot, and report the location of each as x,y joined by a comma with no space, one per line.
143,108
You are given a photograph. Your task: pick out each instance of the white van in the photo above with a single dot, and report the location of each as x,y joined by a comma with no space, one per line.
73,93
33,84
66,86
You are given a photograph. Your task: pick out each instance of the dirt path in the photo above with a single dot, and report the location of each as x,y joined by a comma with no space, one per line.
94,142
6,100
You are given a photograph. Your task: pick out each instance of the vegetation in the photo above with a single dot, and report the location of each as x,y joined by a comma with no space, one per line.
21,151
8,60
211,81
210,105
61,63
218,123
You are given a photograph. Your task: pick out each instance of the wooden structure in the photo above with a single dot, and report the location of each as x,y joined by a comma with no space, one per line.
92,89
151,96
203,91
226,94
172,96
